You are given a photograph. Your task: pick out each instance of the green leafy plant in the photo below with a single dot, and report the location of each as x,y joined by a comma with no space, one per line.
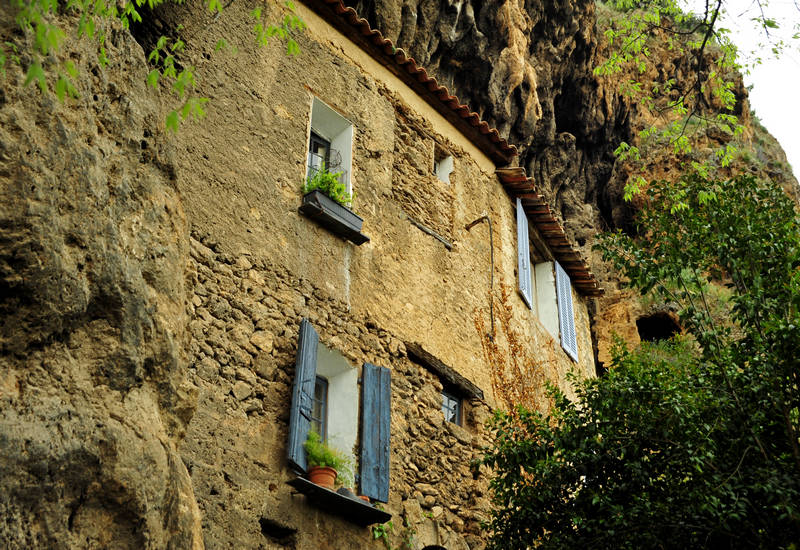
319,453
686,444
330,184
382,531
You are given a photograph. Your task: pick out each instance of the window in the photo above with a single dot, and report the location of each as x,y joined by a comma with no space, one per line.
319,153
330,142
341,412
546,289
451,407
442,163
319,408
546,299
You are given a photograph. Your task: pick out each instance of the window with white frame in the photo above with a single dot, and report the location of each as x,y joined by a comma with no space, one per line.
328,396
330,143
452,407
545,288
443,164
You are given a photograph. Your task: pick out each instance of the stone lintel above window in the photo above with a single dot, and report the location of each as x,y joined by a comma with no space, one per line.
449,377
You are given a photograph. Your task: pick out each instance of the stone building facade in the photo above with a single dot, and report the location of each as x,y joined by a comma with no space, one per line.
433,298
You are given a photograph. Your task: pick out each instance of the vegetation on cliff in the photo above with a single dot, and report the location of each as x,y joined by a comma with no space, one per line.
687,444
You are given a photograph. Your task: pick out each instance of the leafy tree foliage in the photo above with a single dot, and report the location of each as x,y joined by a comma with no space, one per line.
687,444
691,96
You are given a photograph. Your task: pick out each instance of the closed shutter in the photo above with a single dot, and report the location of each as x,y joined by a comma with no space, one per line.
566,316
376,414
305,375
523,255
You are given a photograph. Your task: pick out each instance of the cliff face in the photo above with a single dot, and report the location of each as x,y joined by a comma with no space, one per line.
93,249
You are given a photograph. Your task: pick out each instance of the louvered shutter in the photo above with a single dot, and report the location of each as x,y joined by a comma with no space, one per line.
566,317
376,413
305,376
523,255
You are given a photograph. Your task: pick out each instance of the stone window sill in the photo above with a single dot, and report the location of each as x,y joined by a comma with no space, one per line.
353,510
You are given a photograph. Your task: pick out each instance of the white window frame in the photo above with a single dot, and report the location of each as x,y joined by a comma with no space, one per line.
336,130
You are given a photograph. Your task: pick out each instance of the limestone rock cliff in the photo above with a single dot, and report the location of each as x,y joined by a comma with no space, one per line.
93,250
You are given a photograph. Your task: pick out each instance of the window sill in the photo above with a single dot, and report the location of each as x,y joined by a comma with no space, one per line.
333,216
353,510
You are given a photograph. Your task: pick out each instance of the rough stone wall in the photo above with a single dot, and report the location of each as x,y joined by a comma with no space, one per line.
244,342
117,325
93,309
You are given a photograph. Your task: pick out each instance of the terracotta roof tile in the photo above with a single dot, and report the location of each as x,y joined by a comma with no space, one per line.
347,20
519,185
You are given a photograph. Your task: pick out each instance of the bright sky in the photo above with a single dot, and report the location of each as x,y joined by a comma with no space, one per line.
775,96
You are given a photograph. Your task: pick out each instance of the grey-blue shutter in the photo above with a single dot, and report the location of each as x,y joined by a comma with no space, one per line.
376,416
566,315
523,255
305,375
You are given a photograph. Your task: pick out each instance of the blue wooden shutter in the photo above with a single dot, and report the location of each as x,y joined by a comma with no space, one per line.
523,255
376,413
566,315
305,375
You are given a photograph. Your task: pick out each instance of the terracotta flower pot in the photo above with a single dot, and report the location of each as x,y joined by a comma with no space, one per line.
322,475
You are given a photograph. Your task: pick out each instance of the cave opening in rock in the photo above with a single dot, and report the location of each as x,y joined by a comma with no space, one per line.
658,326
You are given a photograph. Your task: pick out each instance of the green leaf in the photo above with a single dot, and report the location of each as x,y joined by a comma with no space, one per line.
36,74
172,121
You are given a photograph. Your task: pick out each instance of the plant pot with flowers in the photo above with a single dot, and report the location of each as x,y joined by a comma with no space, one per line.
326,464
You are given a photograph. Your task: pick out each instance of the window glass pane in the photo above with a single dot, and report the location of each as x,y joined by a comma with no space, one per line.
319,407
451,407
318,153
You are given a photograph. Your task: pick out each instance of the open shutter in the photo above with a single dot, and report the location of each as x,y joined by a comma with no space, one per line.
305,375
523,255
376,414
566,316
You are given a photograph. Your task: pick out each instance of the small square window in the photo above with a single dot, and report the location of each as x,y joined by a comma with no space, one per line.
442,163
451,407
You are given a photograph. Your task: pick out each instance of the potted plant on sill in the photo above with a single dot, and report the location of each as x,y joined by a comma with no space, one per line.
326,464
326,200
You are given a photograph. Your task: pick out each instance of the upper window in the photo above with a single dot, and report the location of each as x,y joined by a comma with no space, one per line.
545,287
330,142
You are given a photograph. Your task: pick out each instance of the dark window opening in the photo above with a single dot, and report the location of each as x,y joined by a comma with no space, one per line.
658,326
451,407
319,408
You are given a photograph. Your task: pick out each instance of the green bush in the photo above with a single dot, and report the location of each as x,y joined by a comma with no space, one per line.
328,183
